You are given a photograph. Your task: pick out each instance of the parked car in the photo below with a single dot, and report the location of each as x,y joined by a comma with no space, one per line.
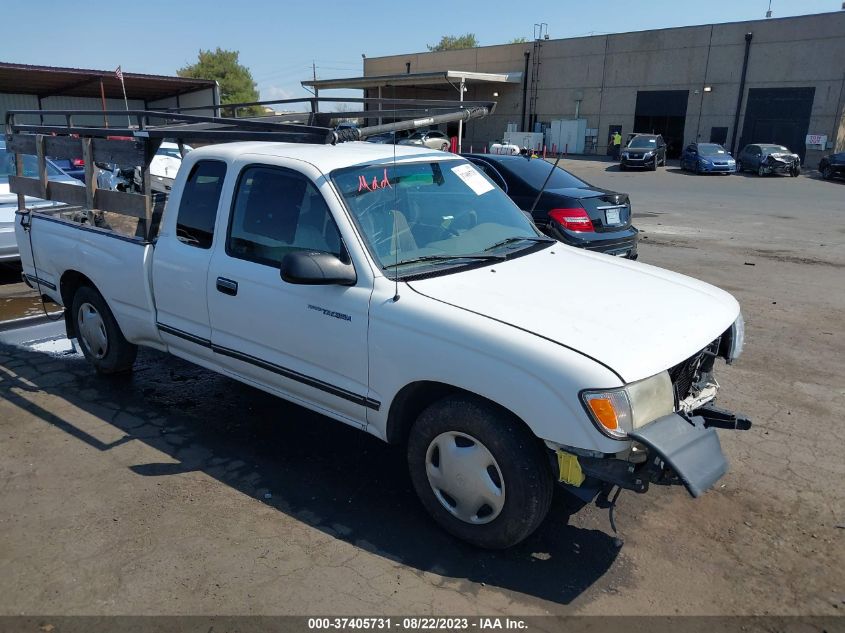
381,139
503,147
74,167
570,210
401,292
433,139
766,158
9,201
163,169
643,151
707,158
832,166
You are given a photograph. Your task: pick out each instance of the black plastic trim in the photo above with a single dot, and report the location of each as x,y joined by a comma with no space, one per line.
370,403
38,280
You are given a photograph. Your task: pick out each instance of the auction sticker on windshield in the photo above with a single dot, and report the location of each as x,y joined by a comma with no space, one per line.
473,179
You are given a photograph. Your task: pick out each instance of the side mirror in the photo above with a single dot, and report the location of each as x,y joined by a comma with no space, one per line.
317,269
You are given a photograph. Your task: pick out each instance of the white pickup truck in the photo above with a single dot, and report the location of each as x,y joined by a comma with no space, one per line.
398,290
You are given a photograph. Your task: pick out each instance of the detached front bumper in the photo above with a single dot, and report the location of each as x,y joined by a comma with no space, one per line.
678,450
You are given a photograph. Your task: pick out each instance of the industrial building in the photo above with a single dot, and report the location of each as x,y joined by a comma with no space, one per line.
776,80
28,87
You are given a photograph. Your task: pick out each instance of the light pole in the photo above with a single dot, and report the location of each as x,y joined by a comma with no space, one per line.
461,90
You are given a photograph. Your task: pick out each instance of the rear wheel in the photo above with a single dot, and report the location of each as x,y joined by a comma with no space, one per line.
100,338
479,472
827,172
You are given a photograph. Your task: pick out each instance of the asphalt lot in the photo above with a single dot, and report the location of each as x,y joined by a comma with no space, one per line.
178,491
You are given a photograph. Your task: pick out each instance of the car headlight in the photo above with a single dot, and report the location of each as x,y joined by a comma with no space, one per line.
647,154
736,335
616,412
624,154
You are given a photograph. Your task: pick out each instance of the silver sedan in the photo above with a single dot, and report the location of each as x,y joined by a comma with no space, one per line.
9,201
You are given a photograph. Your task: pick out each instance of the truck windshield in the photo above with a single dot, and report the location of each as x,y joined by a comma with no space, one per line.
426,214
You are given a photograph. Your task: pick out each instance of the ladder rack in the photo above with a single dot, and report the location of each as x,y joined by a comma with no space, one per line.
136,143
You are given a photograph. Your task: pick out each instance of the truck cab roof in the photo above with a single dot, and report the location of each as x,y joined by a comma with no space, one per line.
326,157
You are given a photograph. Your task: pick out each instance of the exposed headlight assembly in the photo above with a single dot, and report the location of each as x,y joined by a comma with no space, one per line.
734,340
616,412
647,154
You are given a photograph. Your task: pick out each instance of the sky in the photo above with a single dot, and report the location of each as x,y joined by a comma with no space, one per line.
279,41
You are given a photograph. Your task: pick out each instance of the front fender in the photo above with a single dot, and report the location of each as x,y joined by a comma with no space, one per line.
417,339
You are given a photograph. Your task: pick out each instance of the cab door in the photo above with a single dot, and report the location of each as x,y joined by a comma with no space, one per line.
306,342
181,258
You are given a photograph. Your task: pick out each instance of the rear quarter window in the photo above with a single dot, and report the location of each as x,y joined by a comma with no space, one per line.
198,206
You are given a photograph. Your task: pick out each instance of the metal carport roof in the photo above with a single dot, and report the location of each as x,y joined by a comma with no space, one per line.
413,79
48,81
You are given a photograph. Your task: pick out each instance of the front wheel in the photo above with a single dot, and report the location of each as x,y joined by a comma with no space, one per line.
739,167
99,335
827,172
761,171
479,472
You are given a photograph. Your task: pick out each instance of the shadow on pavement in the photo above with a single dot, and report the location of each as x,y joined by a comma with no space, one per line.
332,477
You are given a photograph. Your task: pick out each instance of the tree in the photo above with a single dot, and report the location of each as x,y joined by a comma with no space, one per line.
236,82
518,40
454,42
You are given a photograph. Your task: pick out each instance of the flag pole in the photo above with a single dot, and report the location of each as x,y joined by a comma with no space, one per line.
119,74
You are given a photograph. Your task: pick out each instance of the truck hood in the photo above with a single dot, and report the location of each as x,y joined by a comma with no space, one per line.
636,319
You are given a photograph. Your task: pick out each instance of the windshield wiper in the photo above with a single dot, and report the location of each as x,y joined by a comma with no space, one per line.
510,240
443,258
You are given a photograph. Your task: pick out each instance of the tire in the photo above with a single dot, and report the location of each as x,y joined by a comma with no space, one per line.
99,336
795,171
739,169
654,165
517,468
760,171
827,172
697,170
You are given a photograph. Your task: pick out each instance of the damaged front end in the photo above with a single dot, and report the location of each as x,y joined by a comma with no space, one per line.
677,446
782,163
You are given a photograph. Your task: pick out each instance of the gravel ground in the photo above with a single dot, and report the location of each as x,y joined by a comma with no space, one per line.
178,491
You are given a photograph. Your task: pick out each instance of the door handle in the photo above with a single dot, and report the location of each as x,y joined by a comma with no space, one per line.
227,286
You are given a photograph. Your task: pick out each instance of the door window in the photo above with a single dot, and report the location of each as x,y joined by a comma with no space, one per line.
198,207
277,211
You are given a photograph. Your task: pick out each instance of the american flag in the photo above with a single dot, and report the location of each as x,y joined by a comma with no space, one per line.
118,73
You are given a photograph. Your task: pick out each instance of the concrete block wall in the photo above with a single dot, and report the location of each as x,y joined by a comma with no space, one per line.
607,71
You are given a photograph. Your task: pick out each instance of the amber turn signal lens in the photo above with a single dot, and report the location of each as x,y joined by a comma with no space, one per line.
604,412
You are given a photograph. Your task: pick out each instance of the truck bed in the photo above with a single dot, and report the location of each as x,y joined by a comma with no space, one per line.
117,264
